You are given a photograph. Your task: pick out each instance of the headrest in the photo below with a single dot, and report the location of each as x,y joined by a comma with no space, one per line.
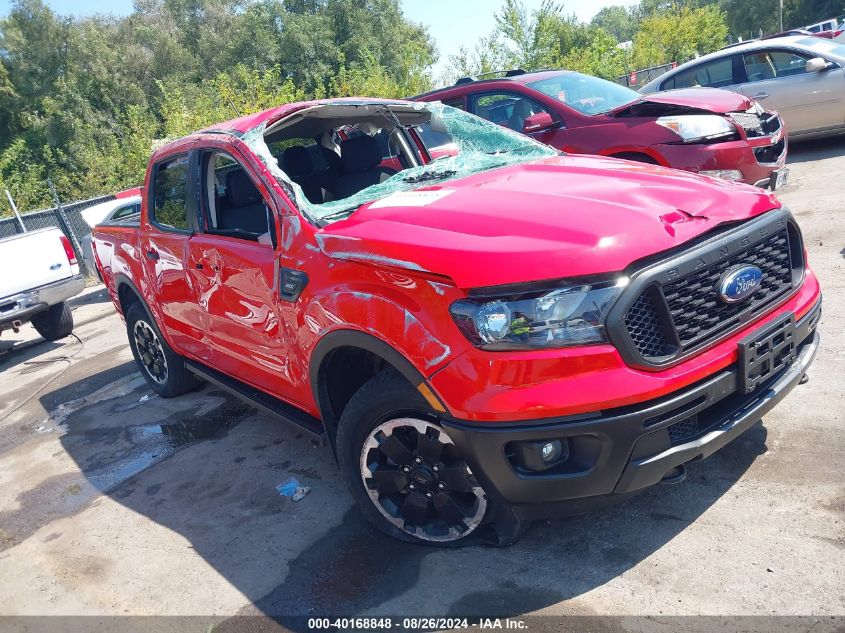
297,161
359,154
240,189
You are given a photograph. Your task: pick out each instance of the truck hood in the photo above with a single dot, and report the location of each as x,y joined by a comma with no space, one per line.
693,99
559,217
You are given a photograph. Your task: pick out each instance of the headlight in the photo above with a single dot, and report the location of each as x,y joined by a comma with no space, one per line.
698,127
573,314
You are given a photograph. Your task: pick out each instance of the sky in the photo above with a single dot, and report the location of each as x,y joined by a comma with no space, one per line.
452,23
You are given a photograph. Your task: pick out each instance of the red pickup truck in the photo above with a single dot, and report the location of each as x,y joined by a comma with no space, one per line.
486,337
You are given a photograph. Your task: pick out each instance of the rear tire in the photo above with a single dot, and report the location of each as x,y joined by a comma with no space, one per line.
403,470
162,368
54,323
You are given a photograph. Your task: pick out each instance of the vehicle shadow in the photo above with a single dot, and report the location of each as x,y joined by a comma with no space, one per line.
14,353
319,557
101,295
816,149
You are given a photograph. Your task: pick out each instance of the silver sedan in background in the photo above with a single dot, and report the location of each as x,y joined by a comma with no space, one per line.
802,78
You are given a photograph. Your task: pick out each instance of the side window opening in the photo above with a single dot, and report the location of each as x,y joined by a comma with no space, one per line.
787,63
234,206
456,103
431,138
126,211
170,210
506,109
715,74
759,67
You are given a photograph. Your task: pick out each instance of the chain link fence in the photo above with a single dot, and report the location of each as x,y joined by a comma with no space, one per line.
638,78
67,218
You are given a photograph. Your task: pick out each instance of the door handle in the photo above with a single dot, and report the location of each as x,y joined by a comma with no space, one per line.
760,96
153,255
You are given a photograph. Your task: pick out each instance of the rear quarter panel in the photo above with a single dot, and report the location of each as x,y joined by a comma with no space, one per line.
116,254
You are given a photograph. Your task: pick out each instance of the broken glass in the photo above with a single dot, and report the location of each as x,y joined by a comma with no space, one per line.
477,145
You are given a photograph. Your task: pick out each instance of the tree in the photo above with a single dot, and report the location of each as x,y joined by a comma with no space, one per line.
545,38
617,21
82,100
678,35
750,17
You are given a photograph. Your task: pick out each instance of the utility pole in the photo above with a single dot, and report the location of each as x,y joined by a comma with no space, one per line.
15,210
781,16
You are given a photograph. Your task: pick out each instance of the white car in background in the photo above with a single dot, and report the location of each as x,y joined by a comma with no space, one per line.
40,273
800,77
116,209
820,27
839,33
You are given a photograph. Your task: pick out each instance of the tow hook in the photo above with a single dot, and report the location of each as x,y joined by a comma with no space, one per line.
675,476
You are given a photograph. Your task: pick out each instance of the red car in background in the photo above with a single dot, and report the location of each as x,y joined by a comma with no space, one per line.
707,131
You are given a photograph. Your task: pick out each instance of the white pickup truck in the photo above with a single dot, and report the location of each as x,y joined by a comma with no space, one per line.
39,273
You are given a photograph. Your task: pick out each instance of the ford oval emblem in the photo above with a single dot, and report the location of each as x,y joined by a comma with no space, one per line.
739,283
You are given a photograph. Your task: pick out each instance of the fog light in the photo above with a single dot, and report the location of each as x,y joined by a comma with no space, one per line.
550,451
540,455
724,174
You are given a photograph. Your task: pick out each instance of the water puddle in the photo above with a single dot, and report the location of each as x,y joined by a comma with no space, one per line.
114,439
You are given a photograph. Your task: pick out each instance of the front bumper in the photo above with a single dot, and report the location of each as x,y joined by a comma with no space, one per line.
23,306
753,158
622,450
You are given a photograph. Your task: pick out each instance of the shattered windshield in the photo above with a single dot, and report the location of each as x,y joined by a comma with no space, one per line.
332,158
588,95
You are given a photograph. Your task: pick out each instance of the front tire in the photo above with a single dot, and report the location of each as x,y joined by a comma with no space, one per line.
162,368
54,323
408,477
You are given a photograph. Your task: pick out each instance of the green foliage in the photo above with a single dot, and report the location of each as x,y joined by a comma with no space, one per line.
662,31
545,38
749,17
678,34
617,21
84,100
601,57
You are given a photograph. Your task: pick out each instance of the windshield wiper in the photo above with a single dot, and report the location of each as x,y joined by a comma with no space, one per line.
434,175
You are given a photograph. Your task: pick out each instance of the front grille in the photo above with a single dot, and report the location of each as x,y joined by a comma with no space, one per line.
646,330
748,122
675,315
756,125
694,306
